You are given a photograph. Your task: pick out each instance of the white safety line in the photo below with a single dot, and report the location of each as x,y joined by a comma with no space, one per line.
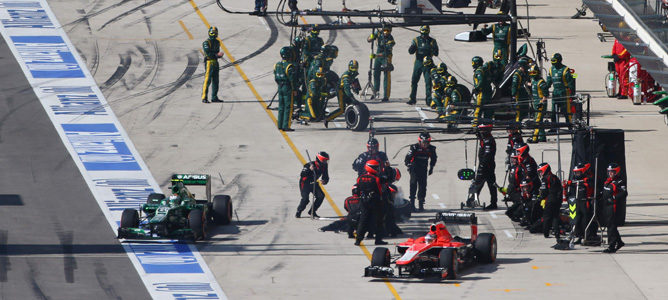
491,213
337,125
435,196
508,233
442,205
266,26
423,116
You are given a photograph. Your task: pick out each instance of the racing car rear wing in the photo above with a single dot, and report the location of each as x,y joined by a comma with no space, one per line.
457,217
194,179
460,218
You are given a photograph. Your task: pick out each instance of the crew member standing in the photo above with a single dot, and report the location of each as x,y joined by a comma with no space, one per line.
539,93
519,91
614,193
284,76
382,61
580,191
563,83
422,46
551,193
420,158
482,88
370,188
372,153
308,183
501,35
622,57
212,52
486,166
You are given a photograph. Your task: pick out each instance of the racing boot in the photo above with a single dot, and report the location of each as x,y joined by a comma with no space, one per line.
380,242
413,205
411,102
298,214
491,206
358,240
421,207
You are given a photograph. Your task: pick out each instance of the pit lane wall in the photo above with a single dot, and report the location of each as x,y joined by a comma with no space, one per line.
101,149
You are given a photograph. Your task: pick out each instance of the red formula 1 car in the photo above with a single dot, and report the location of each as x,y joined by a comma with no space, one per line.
436,254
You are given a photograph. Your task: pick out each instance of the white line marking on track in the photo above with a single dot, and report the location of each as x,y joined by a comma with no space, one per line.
435,196
422,115
442,205
508,233
266,26
493,215
337,125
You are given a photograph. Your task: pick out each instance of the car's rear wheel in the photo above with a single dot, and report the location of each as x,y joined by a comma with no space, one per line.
380,257
155,198
197,224
447,259
485,246
222,209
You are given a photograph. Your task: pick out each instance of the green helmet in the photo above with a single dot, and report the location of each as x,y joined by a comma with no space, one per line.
213,32
353,66
534,71
424,29
442,68
556,59
315,32
523,62
452,81
286,53
320,73
476,62
427,61
298,40
331,51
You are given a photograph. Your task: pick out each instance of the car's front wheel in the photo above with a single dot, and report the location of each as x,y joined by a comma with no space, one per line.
380,257
447,259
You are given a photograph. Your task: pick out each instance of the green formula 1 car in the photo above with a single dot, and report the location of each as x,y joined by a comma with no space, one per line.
179,215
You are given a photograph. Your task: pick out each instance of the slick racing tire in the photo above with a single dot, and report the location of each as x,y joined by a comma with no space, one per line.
155,198
447,259
197,223
380,257
485,246
222,209
357,117
129,219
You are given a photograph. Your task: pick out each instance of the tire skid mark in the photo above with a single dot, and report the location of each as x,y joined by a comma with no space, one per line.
5,265
148,68
193,61
123,66
93,14
158,60
157,13
103,280
147,20
95,61
192,11
220,113
127,13
32,279
66,238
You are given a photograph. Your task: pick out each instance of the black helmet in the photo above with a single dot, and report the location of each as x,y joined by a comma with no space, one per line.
322,157
522,149
556,58
372,144
476,62
424,29
442,68
613,170
485,127
452,81
534,71
544,169
424,137
286,53
526,185
314,32
213,32
353,66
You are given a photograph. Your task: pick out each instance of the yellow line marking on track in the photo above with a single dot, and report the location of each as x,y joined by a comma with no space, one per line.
185,29
284,134
507,290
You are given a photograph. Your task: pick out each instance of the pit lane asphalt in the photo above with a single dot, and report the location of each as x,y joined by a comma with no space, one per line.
55,243
268,253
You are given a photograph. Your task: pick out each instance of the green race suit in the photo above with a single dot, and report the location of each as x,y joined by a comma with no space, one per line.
520,95
314,101
539,92
501,36
344,93
211,48
284,75
383,62
562,82
422,46
483,87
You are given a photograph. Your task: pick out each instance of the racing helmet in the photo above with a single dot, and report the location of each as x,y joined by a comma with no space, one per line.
442,68
353,66
452,81
354,189
498,55
372,145
580,170
526,186
522,150
286,53
556,59
534,71
314,32
476,62
334,51
427,61
320,73
544,169
424,137
424,29
613,170
484,127
430,238
213,32
397,174
322,157
387,29
372,166
523,62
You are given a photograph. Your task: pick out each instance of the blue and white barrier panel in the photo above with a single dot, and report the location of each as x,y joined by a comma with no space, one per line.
101,149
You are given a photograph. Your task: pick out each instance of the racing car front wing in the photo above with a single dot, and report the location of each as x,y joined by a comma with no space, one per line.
388,272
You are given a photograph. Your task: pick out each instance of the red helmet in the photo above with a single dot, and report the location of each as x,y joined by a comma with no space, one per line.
614,170
522,150
580,170
397,174
544,169
485,127
424,137
372,166
322,157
